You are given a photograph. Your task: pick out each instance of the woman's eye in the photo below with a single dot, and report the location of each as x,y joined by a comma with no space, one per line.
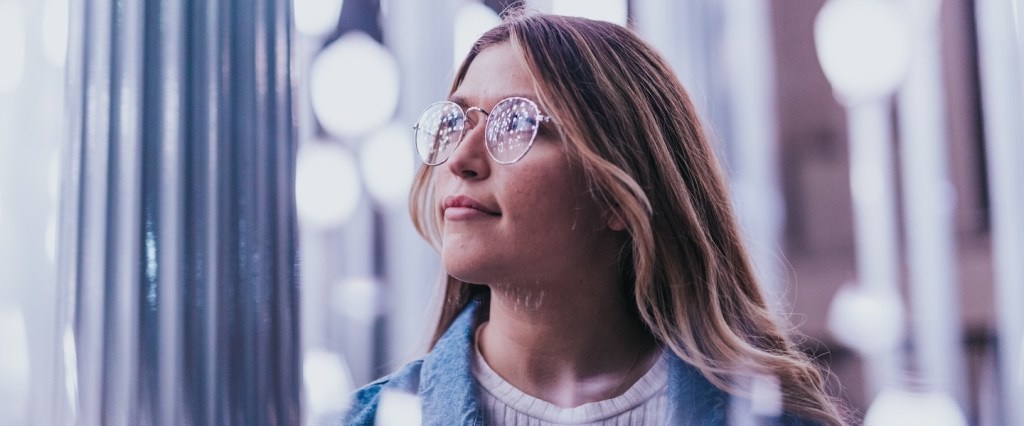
520,122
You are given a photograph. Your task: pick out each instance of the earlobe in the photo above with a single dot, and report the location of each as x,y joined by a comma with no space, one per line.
615,222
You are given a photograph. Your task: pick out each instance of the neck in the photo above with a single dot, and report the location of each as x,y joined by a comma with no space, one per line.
568,344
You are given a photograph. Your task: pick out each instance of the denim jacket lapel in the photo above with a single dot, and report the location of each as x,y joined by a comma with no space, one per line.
693,400
448,390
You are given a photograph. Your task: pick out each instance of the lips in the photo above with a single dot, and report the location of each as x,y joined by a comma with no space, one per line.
461,205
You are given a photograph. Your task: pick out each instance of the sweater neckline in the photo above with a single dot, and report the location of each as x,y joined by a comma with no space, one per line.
654,381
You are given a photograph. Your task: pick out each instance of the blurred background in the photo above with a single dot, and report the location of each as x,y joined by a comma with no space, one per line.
875,151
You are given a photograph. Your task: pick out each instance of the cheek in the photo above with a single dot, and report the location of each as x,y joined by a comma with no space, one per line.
553,212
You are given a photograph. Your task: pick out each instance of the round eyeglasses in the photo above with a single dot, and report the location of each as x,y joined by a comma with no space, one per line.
509,132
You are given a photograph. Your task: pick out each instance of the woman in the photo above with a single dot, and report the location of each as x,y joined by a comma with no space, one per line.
595,272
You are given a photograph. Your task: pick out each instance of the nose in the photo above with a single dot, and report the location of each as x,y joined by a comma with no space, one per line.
470,159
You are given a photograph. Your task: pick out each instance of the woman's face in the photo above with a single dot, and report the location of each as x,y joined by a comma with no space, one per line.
534,220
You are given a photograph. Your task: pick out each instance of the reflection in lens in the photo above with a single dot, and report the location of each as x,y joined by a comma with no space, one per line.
511,128
438,132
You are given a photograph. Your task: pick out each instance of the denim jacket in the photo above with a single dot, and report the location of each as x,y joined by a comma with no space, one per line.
444,382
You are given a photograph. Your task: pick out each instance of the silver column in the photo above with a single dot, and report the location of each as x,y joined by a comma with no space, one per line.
1001,56
177,248
928,209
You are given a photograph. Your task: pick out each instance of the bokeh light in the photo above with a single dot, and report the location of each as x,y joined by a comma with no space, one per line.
357,298
896,407
397,408
12,45
55,31
327,188
388,165
616,11
328,384
866,320
317,17
472,21
354,85
864,47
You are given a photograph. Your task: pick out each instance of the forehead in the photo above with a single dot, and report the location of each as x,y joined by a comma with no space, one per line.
496,73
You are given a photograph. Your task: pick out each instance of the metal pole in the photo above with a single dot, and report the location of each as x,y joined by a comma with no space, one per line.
874,214
928,209
1001,54
178,224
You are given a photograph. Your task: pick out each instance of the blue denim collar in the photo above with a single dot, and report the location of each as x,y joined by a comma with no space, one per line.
448,389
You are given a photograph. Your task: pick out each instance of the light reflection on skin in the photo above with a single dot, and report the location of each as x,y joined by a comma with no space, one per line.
523,298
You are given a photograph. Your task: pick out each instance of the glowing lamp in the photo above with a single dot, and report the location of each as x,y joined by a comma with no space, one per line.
354,86
867,320
864,47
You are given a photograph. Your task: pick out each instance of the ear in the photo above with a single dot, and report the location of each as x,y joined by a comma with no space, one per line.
615,222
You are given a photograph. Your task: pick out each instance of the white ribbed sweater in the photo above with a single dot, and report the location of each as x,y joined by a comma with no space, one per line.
645,403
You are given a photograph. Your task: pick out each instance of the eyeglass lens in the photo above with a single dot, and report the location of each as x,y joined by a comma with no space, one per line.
510,130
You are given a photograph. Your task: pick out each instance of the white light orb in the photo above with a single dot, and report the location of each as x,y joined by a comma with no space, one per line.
12,45
357,299
354,85
317,17
894,407
327,188
328,384
472,21
55,31
864,47
389,165
616,11
869,321
766,395
397,408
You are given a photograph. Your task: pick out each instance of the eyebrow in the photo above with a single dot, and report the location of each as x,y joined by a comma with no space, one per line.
463,102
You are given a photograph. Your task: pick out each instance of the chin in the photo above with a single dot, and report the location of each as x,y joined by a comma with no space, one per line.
465,270
476,265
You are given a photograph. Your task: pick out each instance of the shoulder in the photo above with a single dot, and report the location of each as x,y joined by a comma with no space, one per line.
366,399
695,400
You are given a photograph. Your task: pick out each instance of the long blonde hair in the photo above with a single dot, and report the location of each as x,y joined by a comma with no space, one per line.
627,122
